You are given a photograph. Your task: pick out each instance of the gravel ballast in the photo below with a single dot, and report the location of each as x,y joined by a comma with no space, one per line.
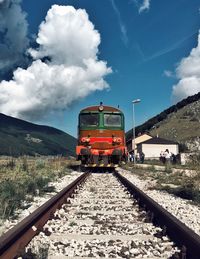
188,213
102,220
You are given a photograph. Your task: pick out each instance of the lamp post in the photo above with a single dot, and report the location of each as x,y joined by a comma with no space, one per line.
134,102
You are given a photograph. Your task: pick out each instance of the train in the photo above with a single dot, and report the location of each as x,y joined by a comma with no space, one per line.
101,137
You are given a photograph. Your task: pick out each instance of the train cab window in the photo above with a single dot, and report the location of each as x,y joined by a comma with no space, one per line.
112,120
89,119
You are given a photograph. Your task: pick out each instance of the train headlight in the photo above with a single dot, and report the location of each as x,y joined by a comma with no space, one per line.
114,140
85,140
101,108
117,140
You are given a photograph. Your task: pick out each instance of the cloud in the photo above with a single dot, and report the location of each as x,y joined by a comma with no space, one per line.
188,73
168,73
144,6
13,35
121,24
69,42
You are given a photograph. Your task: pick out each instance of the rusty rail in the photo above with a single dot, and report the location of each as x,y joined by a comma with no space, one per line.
183,236
13,242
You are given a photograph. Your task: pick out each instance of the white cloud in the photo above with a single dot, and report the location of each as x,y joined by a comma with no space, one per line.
188,73
144,6
42,88
168,73
13,29
76,40
70,42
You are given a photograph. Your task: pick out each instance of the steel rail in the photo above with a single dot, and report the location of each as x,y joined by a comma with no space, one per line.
182,235
13,242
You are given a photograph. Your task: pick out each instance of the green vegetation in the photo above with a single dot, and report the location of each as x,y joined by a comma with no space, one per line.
187,190
178,127
178,123
143,173
21,179
180,183
18,137
163,115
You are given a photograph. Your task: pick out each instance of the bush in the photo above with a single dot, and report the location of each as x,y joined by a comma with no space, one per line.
21,179
24,165
11,163
11,196
40,164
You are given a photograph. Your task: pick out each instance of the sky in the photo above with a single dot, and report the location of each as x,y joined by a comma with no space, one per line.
57,57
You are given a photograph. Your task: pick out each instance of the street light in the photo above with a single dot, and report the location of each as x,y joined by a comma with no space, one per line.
134,102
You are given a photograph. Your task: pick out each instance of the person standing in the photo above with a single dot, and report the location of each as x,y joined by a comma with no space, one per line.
142,156
131,157
137,157
167,156
162,157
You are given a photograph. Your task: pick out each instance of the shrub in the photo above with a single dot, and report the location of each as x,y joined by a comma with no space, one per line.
11,196
40,164
11,163
21,179
24,165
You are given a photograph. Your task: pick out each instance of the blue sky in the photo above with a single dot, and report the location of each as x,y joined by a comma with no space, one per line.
145,48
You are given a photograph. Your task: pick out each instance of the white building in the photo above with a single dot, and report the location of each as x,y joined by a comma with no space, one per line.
153,147
139,139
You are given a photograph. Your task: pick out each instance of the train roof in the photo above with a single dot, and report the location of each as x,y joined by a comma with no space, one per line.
105,108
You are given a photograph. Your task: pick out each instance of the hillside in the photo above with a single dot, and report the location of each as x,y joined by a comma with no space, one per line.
19,137
180,122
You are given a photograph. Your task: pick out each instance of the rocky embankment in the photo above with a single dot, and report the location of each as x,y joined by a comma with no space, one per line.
188,213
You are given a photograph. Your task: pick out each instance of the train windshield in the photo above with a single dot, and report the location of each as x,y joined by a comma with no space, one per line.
89,119
112,120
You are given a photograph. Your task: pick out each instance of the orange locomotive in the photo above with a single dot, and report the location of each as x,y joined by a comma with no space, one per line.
101,137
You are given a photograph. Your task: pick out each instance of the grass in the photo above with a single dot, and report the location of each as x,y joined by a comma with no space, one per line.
191,165
21,179
188,192
142,173
170,127
177,165
186,187
181,184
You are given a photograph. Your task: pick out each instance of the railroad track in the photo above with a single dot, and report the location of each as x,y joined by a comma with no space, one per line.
100,220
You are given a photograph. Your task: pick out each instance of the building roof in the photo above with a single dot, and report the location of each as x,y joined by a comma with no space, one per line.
138,136
156,140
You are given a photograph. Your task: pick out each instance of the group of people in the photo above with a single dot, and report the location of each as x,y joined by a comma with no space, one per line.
139,158
167,157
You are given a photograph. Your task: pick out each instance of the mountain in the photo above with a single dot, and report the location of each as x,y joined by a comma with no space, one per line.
19,137
180,122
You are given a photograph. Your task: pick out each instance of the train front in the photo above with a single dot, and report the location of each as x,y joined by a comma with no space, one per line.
101,137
